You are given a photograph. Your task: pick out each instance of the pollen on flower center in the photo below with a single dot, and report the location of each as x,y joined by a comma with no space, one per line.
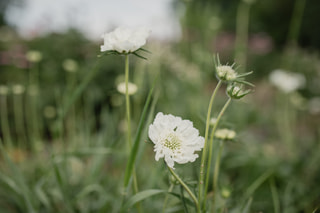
172,142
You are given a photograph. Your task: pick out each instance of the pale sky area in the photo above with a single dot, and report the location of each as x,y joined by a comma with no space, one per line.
93,17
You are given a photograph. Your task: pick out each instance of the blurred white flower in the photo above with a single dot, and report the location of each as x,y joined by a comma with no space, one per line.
4,90
49,112
175,139
18,89
132,88
225,134
226,73
125,40
213,121
34,56
314,105
287,81
70,65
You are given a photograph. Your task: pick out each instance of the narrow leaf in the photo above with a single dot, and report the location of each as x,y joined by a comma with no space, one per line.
134,150
141,196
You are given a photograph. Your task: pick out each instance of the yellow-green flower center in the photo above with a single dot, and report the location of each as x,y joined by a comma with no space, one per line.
172,142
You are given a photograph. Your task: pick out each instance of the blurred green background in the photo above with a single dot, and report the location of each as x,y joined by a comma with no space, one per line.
77,164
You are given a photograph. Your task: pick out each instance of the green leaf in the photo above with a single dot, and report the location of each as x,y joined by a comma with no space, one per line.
247,207
141,196
76,94
134,150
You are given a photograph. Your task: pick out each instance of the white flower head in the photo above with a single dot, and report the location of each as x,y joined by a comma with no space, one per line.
125,40
225,134
287,81
132,88
175,139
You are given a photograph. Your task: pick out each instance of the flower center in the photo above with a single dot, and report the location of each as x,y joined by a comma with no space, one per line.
172,142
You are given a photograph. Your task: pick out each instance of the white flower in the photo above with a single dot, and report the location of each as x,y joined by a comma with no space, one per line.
70,65
226,73
225,134
175,139
132,88
124,40
34,56
287,81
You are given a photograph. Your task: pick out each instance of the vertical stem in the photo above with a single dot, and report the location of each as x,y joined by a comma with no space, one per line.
204,152
129,142
186,188
242,28
296,21
19,120
128,103
5,122
166,198
216,174
211,145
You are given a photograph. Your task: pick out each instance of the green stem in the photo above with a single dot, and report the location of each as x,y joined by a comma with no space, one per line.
242,28
5,122
296,21
211,145
204,152
216,174
128,103
19,120
166,198
129,142
186,188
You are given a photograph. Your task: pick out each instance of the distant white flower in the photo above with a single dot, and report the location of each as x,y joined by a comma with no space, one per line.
4,90
287,81
226,73
132,88
125,40
34,56
175,139
70,65
18,89
225,134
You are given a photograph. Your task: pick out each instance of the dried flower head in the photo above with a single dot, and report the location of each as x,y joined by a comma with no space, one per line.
226,73
175,139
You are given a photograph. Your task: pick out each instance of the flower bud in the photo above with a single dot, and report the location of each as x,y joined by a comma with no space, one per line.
236,91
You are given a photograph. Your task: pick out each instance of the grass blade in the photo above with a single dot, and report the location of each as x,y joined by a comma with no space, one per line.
141,196
134,150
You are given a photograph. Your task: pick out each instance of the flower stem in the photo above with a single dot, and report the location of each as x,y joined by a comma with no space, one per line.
186,188
129,142
216,174
128,102
211,146
5,125
166,198
204,152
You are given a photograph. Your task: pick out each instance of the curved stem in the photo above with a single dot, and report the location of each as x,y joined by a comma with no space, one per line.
204,152
186,188
211,145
